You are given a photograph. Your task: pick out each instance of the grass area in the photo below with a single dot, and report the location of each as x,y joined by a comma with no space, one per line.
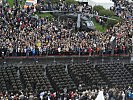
99,27
109,23
44,15
11,2
39,14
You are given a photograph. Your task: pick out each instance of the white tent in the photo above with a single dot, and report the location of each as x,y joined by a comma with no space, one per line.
100,96
105,3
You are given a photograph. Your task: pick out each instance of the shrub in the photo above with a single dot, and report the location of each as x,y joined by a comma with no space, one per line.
71,1
98,8
106,13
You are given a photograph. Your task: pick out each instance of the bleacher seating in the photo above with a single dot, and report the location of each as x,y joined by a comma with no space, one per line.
9,79
34,78
59,78
116,74
129,67
86,75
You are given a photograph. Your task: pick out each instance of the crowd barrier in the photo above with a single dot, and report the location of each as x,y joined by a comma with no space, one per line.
65,59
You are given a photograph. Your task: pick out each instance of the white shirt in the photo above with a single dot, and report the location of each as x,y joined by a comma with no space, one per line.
59,49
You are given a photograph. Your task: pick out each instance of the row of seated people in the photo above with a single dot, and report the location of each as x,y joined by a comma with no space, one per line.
34,78
29,78
9,79
116,74
86,75
57,77
129,67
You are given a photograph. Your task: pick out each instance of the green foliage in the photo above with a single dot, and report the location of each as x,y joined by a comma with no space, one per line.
106,13
98,8
44,15
71,2
98,26
11,2
119,19
111,23
102,11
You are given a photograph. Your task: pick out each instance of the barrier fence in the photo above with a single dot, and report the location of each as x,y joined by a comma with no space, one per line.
65,59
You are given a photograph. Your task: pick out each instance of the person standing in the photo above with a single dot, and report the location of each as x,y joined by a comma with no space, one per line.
123,95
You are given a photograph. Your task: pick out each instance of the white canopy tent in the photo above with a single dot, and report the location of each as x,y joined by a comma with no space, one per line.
105,3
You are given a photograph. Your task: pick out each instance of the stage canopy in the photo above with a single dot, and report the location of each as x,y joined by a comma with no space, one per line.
105,3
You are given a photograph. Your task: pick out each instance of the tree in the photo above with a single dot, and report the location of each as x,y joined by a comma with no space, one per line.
71,1
106,13
98,8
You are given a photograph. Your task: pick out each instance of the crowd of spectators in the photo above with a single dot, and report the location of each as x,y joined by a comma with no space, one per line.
108,93
24,35
21,34
63,6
